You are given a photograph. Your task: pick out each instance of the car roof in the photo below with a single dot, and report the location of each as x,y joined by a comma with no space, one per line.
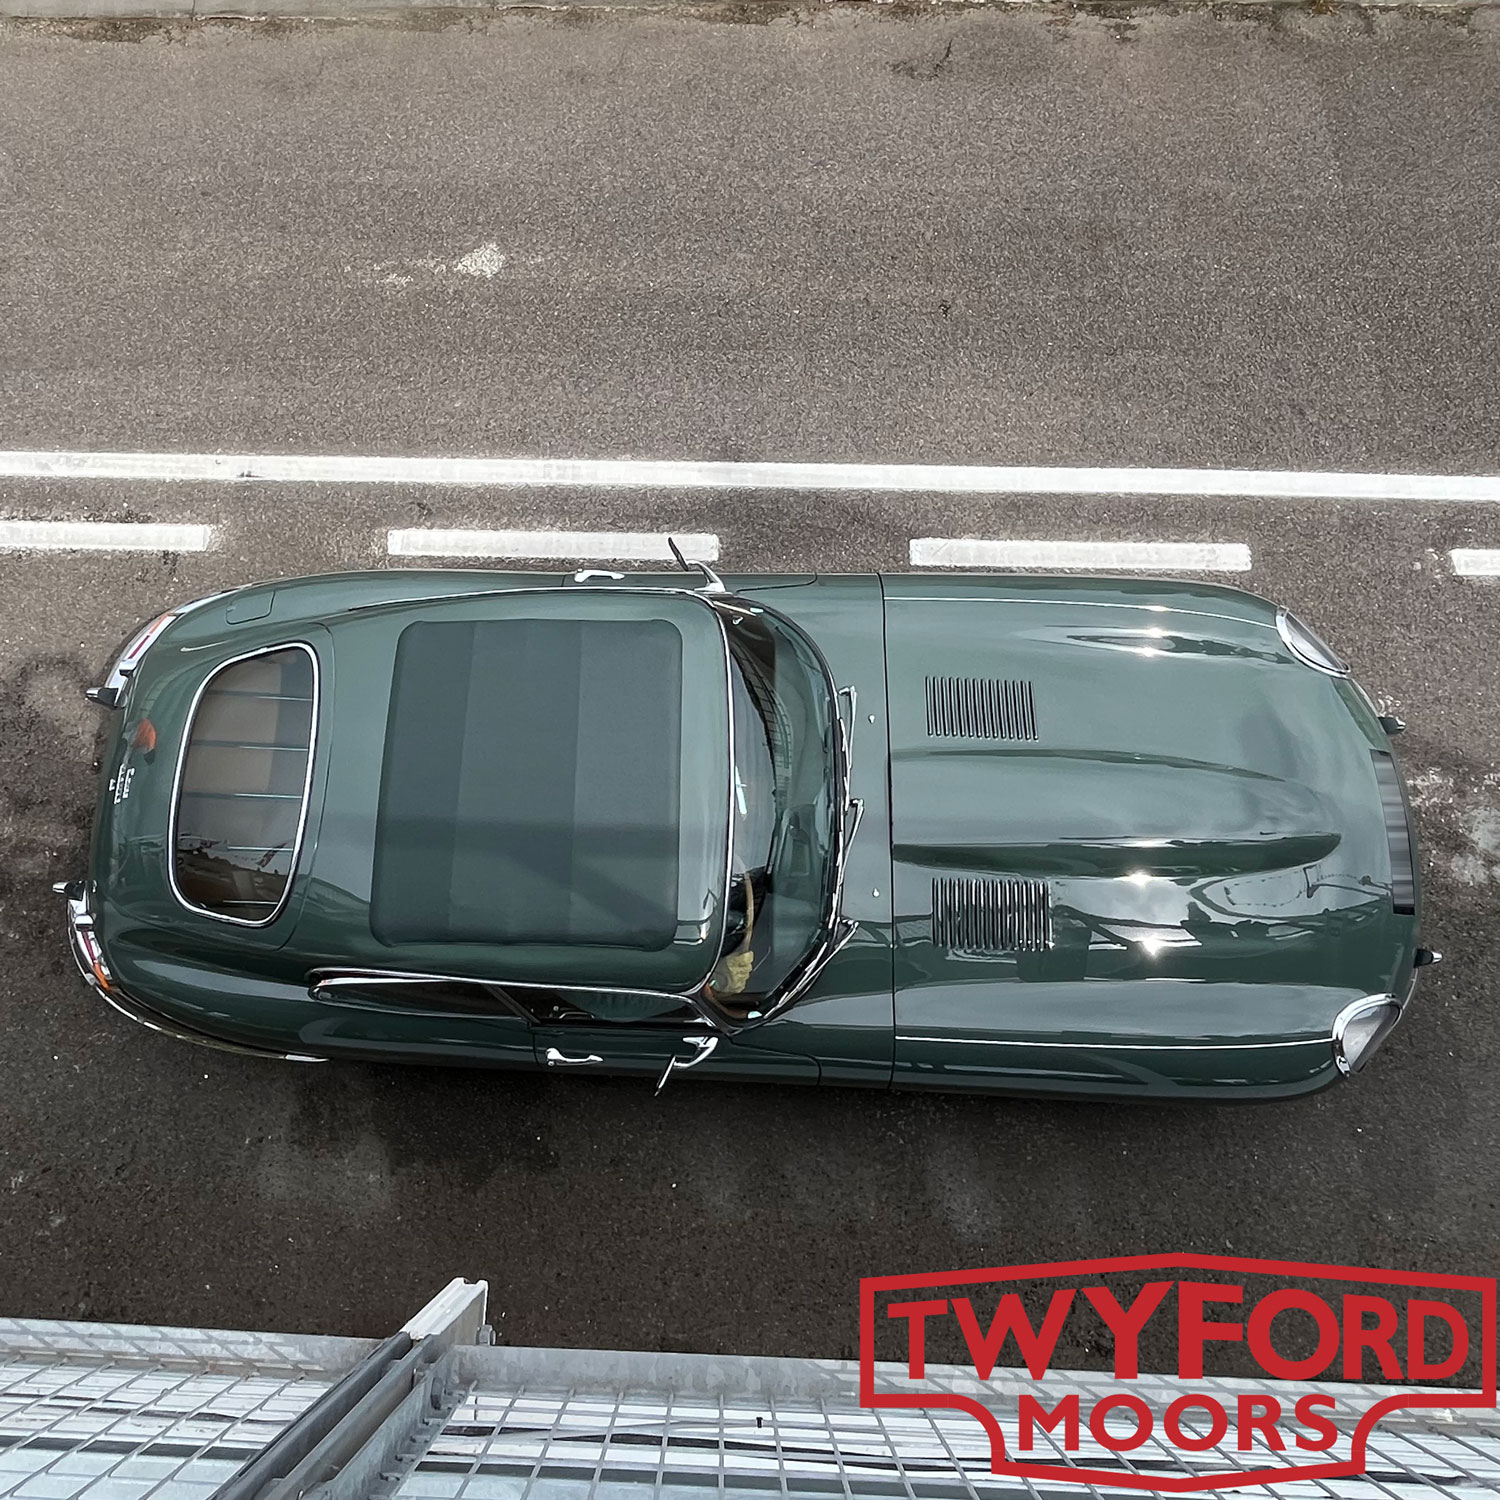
551,798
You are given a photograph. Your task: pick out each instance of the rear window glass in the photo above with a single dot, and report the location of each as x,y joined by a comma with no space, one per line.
244,785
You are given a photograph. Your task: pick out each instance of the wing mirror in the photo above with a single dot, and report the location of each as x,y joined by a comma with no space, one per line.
703,1047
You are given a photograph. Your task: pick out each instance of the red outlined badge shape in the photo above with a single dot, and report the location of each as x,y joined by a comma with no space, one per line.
869,1286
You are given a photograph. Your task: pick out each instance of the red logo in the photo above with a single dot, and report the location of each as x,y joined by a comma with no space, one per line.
1327,1331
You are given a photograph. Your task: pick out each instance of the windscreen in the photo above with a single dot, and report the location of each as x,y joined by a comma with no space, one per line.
782,811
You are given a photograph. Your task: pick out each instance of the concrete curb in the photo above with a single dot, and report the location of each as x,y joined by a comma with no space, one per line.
438,13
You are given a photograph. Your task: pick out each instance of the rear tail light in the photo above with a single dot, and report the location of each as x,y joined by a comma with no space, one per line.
131,655
93,955
112,694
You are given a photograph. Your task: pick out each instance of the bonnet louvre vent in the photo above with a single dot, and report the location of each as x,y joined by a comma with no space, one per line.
980,708
991,916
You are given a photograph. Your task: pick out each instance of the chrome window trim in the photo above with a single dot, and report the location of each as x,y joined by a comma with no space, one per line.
1349,1013
332,977
318,978
182,754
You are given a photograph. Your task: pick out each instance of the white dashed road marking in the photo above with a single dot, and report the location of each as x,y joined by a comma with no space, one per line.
1475,562
611,546
980,479
1188,557
102,536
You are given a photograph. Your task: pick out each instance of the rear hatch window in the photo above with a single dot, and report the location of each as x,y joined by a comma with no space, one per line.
243,789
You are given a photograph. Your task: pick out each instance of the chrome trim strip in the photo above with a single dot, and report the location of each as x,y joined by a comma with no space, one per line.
548,588
182,754
349,976
975,1041
1172,609
133,1010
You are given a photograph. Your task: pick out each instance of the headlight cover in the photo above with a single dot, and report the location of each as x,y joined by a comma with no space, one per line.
1360,1028
1307,645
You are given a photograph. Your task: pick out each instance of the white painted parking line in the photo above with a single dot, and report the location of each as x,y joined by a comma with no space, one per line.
1187,557
607,546
102,536
979,479
1475,562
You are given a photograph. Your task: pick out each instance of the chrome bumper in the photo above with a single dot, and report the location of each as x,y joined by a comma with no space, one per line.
89,957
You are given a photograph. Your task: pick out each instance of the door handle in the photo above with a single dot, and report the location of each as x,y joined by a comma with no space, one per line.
588,575
561,1059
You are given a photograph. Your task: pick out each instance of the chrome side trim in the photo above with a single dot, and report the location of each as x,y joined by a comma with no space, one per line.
1197,614
976,1041
545,588
134,1010
182,753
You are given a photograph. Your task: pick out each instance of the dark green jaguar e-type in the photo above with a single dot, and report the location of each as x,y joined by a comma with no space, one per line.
1088,836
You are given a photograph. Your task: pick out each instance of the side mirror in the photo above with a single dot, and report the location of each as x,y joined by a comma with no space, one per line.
703,1047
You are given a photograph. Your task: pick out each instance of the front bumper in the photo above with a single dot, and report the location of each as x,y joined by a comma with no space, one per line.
88,954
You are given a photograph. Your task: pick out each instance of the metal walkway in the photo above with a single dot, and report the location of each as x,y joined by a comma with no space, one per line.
105,1412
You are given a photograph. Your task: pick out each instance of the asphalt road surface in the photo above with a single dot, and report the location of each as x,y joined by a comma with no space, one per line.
1033,238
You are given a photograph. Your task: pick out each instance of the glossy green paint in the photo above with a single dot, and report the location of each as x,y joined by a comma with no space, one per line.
1204,808
1202,805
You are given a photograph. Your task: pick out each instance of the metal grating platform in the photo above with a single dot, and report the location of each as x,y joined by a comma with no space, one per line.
119,1432
120,1413
544,1425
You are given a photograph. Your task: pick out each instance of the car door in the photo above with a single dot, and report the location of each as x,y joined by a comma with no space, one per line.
418,1019
606,1031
